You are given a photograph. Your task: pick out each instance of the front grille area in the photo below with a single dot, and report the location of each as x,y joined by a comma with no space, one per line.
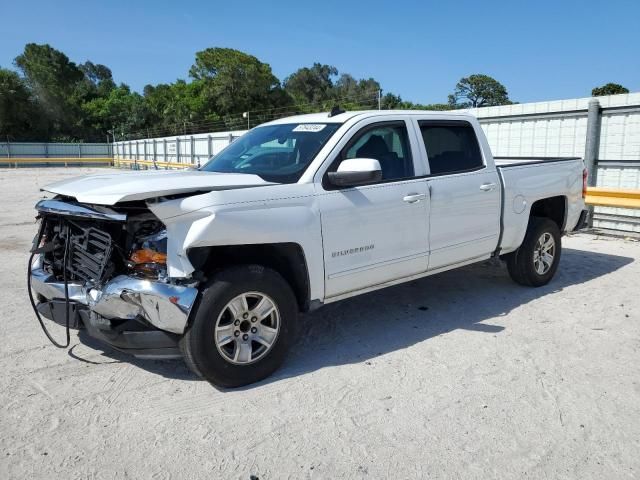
89,254
90,243
89,251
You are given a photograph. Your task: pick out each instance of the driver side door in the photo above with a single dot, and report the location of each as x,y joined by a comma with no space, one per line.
377,233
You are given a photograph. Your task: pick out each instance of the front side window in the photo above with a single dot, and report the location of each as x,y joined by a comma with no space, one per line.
276,153
389,145
451,147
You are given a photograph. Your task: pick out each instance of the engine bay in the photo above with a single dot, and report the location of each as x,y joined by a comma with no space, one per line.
91,250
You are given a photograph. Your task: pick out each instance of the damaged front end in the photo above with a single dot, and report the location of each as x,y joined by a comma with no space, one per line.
105,269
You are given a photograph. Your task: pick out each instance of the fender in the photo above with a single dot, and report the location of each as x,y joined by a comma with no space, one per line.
290,215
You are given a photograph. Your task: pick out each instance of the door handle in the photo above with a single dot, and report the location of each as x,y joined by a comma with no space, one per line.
485,187
414,197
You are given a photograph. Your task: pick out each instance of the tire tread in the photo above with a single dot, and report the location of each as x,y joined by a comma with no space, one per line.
203,358
520,262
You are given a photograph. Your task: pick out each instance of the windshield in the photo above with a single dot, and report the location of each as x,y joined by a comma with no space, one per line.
277,153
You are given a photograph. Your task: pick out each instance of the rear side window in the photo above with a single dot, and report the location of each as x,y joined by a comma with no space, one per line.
451,147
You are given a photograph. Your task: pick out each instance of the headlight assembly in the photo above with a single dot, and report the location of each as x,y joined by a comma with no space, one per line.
148,256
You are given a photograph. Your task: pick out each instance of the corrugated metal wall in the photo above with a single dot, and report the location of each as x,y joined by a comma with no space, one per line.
559,128
54,150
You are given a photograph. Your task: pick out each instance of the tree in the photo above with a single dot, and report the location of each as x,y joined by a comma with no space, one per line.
122,109
391,101
356,94
19,116
125,110
53,80
609,89
395,102
313,88
52,97
311,85
478,91
233,81
77,102
98,77
173,106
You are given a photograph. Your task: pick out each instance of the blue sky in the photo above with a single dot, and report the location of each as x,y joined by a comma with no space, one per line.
539,49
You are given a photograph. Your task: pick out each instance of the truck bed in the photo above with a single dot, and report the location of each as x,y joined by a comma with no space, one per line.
528,179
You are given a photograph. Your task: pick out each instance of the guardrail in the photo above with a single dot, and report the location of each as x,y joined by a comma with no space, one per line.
75,161
610,197
67,161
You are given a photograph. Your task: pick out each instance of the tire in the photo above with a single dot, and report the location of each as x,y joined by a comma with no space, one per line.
528,268
220,315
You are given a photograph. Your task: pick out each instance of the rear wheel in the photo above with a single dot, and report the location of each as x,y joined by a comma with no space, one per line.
535,263
242,327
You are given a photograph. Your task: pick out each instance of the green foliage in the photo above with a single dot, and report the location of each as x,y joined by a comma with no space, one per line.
174,106
55,82
319,88
53,98
97,80
609,89
122,108
19,115
311,85
233,81
354,94
395,102
478,91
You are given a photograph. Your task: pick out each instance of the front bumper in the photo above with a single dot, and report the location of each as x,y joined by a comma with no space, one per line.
161,305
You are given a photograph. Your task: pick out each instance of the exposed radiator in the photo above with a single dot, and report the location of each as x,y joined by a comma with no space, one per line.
89,254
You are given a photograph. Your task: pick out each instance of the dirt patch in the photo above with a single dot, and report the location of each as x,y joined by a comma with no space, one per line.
460,375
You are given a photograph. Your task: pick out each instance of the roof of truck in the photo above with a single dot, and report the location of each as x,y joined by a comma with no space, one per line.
323,117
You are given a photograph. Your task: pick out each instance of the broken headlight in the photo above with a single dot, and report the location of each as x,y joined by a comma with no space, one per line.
148,256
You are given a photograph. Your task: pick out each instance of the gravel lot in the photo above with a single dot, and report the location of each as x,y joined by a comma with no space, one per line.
460,375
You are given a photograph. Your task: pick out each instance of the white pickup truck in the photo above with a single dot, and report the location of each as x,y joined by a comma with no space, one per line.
215,264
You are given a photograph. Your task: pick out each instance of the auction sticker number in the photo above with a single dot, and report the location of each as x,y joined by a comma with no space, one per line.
309,127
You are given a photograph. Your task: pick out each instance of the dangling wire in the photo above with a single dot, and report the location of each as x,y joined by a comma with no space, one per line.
66,289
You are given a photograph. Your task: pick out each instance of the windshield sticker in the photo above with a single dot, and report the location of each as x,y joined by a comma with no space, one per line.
309,127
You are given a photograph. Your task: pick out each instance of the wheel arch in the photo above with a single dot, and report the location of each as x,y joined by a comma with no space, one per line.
288,259
553,208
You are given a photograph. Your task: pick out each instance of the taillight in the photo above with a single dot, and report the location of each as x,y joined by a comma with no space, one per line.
585,176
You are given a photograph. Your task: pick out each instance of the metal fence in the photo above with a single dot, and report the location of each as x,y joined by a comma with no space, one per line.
54,150
605,131
186,149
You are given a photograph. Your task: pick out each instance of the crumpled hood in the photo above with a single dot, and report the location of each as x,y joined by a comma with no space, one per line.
111,188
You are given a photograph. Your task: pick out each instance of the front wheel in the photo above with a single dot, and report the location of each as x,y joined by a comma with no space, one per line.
242,327
535,262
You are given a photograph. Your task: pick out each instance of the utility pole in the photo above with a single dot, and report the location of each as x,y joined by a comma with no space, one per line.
379,99
114,147
592,146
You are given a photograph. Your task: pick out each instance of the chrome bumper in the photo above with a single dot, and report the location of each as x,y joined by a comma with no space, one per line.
164,306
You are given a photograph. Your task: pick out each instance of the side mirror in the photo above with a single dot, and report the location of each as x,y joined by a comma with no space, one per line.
356,171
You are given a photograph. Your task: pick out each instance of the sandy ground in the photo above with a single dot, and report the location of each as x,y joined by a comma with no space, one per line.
461,375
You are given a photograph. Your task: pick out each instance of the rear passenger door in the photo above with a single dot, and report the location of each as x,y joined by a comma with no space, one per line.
465,194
